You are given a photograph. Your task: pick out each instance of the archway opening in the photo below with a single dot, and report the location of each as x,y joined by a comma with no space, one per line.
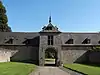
50,57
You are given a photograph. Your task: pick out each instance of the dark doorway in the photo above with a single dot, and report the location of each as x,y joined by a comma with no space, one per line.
50,57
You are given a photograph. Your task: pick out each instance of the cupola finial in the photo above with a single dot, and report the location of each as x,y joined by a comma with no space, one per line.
50,19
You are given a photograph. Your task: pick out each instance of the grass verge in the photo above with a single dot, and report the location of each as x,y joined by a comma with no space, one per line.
14,68
86,69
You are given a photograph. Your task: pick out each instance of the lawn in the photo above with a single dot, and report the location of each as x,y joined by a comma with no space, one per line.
14,68
50,59
87,69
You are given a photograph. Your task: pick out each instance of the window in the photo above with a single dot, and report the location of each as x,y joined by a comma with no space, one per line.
86,41
70,41
49,28
98,42
50,40
10,41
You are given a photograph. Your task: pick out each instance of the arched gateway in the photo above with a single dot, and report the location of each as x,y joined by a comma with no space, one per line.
51,57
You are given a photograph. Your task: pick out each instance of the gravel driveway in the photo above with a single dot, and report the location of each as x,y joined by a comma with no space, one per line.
49,71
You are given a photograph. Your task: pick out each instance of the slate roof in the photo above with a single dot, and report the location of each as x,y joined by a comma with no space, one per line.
18,37
78,38
32,38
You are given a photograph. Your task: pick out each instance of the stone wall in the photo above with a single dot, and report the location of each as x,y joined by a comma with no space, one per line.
74,54
5,54
71,56
94,57
80,54
24,53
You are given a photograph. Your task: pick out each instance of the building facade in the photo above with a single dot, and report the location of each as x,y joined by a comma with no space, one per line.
31,46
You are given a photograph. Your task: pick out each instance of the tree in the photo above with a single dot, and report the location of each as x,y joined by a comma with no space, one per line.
3,19
96,48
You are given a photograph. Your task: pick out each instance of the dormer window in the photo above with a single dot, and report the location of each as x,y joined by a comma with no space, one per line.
70,41
98,42
10,41
86,41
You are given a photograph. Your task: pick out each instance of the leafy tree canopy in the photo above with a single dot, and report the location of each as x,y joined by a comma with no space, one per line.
3,19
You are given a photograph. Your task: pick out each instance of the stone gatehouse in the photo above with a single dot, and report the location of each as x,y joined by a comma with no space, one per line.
70,47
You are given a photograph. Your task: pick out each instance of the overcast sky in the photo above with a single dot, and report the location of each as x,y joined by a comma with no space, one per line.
68,15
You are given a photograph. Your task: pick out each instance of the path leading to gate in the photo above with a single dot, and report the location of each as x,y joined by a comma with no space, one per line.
49,71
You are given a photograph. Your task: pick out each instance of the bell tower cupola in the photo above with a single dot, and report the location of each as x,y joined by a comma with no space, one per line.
50,27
